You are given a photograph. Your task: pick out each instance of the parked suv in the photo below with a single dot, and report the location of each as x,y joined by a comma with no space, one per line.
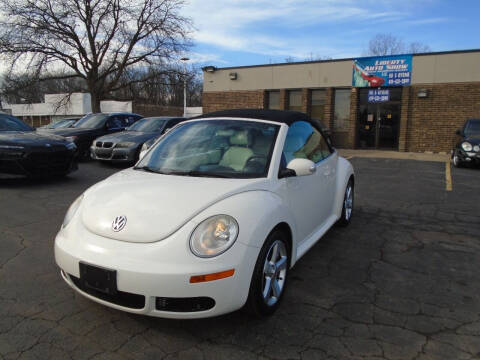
93,126
467,150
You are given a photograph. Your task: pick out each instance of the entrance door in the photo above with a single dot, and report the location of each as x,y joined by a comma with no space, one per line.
379,122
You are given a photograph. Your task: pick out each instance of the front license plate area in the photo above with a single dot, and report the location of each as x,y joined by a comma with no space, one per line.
99,279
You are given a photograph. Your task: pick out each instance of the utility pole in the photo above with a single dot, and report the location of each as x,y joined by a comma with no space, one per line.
184,59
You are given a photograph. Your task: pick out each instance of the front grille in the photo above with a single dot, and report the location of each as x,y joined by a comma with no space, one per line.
133,301
192,304
54,160
105,144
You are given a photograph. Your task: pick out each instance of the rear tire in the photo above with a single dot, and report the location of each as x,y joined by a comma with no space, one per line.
269,279
348,201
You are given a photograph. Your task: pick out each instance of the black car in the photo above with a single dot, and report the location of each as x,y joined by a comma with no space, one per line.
26,152
125,146
467,150
61,124
93,126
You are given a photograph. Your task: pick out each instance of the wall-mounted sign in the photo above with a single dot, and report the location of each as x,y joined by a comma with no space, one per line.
378,95
395,70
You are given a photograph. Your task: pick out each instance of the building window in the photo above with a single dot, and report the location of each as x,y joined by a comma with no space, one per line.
273,100
318,104
342,109
295,100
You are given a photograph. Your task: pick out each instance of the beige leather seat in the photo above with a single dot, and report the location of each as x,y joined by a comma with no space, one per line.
239,152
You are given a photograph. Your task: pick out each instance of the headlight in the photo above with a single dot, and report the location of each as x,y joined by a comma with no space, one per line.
467,146
71,138
11,147
125,144
214,236
72,210
476,148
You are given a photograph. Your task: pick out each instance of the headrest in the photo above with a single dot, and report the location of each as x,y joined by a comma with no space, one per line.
243,138
293,144
225,132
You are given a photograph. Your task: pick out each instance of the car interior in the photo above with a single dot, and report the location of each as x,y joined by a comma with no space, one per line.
237,150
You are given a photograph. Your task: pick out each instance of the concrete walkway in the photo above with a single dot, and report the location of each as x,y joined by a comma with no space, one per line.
349,153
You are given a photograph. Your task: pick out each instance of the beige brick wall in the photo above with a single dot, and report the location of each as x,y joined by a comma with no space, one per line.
224,100
432,121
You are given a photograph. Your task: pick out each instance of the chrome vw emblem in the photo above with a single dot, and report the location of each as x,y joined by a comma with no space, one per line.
119,223
48,145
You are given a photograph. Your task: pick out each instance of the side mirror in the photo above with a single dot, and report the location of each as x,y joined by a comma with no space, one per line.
459,132
142,154
302,167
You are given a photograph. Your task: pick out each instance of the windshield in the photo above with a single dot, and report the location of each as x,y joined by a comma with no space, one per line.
214,148
148,125
10,123
91,121
60,124
472,128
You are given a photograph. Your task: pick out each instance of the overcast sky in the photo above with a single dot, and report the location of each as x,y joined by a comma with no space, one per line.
246,32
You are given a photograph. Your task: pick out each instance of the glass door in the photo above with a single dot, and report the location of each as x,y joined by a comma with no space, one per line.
378,122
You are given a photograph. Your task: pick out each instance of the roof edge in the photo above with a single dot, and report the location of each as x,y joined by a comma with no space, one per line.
344,59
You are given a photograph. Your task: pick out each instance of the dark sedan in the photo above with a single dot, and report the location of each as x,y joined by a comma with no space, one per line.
25,152
467,150
93,126
125,146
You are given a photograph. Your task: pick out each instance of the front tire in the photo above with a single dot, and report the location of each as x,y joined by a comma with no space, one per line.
269,279
347,208
456,160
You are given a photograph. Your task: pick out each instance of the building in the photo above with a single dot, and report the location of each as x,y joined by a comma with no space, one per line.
62,106
403,102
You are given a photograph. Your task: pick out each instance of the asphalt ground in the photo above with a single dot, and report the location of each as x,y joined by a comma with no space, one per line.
401,282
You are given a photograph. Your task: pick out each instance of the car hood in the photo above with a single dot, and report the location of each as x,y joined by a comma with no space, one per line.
474,140
155,205
71,131
29,138
133,136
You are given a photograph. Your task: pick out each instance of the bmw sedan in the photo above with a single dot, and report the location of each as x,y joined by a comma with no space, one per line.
125,146
25,152
92,126
210,220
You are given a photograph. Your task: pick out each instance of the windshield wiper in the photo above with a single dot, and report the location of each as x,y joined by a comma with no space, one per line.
147,168
194,173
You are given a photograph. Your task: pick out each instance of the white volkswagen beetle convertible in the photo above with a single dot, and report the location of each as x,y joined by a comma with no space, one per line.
211,219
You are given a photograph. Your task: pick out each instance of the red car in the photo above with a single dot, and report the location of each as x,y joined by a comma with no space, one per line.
373,80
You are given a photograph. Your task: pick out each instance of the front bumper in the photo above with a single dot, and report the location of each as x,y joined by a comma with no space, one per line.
39,163
114,154
471,157
155,271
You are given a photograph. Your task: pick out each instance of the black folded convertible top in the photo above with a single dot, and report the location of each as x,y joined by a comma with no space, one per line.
281,116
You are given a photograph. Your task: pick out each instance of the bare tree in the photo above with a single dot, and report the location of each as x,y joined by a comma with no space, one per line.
98,41
388,44
417,48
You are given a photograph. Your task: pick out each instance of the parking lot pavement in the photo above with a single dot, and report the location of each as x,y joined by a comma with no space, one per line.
401,282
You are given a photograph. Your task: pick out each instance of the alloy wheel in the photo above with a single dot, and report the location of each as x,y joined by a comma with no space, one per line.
274,272
348,202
